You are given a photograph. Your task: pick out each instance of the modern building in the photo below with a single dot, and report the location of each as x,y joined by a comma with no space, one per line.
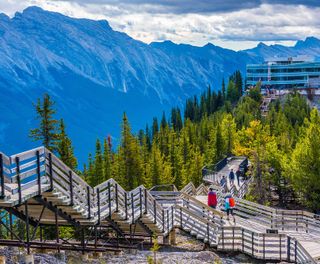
300,73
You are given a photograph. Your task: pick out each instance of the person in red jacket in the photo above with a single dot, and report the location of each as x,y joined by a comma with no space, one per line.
212,199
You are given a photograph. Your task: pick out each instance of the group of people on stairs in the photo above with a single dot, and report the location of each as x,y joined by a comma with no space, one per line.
229,203
232,176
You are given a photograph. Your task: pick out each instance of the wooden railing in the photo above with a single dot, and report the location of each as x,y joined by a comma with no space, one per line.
285,220
31,173
263,245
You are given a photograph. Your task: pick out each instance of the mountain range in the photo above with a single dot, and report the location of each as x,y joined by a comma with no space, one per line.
95,73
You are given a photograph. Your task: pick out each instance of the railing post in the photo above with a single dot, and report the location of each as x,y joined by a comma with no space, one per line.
155,211
172,216
98,198
168,223
89,203
2,176
145,201
295,251
232,238
163,221
280,247
222,237
208,234
18,179
38,172
11,225
252,242
132,208
307,225
27,226
71,188
264,245
181,218
50,171
126,204
288,248
140,197
242,238
57,229
109,198
117,198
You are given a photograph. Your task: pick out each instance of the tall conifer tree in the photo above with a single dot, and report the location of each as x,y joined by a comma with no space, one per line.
47,131
65,149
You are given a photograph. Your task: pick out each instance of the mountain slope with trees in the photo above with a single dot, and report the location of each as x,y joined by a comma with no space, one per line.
94,73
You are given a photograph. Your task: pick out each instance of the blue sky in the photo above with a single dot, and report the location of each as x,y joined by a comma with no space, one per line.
235,24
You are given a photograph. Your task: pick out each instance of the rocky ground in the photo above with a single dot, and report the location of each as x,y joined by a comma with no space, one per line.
186,251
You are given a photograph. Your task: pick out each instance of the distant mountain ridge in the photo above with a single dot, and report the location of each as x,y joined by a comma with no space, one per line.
310,47
95,74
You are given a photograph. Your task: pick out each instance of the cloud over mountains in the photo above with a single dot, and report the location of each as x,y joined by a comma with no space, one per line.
230,23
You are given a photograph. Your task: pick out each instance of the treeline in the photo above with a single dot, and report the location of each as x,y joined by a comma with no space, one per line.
175,149
283,146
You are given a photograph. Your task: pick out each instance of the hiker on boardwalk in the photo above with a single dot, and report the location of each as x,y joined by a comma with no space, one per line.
212,199
231,177
238,174
223,181
229,205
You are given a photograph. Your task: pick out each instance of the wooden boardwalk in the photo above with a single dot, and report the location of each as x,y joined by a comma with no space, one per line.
42,191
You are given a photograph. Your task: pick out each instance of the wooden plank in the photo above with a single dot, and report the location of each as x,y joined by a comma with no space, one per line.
27,154
6,159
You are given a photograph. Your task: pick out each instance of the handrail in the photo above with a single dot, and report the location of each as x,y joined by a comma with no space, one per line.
266,246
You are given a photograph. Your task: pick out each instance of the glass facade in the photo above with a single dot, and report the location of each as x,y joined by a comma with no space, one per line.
287,74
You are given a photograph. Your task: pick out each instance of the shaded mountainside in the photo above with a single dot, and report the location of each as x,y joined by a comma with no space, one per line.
95,74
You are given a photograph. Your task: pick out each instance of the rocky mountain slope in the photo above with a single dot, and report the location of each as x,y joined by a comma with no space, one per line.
95,74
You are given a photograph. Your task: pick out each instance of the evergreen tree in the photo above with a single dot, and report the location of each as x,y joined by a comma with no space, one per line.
232,92
155,127
179,120
148,137
98,166
130,162
65,149
107,170
303,165
219,144
47,131
223,89
90,171
174,118
163,121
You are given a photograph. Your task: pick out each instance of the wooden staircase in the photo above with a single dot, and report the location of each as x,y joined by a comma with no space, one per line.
41,190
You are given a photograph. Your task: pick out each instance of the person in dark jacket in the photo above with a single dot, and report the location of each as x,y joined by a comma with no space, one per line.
238,174
223,181
231,177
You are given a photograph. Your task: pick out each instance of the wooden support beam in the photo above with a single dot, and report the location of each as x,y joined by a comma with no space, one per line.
2,176
27,227
38,172
50,171
18,179
54,209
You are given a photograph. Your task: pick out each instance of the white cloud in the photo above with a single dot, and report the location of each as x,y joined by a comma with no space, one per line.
237,30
